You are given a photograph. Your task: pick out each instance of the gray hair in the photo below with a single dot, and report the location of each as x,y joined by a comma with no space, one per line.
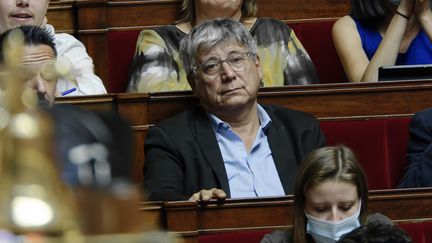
211,33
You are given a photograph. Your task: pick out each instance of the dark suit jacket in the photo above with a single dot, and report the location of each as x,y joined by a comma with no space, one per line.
183,156
419,171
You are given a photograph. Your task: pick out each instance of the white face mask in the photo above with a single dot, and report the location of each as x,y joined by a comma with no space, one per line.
324,231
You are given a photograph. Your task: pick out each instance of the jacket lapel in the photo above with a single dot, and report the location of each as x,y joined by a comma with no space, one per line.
281,146
207,141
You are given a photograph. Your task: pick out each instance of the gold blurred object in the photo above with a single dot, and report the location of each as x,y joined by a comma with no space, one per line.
32,196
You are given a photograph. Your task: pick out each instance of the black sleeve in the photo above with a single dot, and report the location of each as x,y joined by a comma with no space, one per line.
163,168
419,155
320,139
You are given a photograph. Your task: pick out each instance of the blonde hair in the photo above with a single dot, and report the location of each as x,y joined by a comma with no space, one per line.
326,164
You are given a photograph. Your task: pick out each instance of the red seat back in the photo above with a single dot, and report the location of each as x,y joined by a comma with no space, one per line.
121,48
420,232
317,39
380,145
235,237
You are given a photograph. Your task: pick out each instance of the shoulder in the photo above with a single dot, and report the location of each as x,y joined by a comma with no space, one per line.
67,44
288,114
180,122
163,36
266,22
425,115
278,236
162,32
343,23
63,38
422,119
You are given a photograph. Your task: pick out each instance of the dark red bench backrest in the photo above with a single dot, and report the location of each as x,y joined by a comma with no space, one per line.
380,145
420,232
234,237
317,39
121,48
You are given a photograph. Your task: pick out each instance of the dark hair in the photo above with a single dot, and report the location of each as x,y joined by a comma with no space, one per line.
370,12
321,165
33,36
376,232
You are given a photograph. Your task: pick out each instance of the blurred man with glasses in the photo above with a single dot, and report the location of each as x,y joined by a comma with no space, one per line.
229,146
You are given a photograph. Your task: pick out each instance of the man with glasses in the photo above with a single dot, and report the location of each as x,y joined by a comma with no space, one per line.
229,146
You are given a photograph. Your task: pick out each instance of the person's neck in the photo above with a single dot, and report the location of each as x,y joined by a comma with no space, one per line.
204,13
245,123
240,118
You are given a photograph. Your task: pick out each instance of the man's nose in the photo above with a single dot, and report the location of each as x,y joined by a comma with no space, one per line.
22,3
39,84
227,71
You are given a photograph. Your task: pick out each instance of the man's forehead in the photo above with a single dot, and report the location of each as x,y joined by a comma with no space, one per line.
224,46
32,55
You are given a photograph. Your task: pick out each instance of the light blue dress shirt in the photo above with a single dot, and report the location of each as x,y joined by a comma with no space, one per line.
250,173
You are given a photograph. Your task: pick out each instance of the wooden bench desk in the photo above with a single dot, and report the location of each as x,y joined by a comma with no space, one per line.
325,101
190,219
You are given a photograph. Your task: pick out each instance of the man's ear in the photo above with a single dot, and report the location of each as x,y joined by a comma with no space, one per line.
258,66
191,80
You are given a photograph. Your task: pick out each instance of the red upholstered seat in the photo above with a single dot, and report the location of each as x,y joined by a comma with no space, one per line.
121,48
398,136
420,232
235,237
380,145
317,39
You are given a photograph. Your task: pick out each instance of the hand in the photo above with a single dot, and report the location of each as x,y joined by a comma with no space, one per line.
206,195
422,10
406,7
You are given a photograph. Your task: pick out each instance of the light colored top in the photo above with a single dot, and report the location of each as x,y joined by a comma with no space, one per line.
250,173
85,81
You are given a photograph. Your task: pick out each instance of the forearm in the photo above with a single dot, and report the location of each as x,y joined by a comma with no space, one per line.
388,49
426,23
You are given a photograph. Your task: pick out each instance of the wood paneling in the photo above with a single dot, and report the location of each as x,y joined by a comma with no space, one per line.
325,101
191,219
301,9
61,14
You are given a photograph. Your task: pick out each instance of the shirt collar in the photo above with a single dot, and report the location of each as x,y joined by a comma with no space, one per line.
219,125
